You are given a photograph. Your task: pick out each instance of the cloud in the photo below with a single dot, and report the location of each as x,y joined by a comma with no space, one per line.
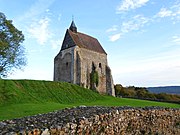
36,21
115,37
176,39
134,23
137,22
112,29
130,4
173,12
164,13
39,30
39,7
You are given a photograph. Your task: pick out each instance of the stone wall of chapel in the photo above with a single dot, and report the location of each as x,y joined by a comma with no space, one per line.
109,82
77,68
86,58
74,65
63,66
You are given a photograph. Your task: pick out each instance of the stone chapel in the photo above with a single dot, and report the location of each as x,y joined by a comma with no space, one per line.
83,61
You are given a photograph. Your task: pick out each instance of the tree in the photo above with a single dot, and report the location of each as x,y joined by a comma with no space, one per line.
11,51
118,89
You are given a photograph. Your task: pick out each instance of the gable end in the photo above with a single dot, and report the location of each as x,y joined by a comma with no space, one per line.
67,42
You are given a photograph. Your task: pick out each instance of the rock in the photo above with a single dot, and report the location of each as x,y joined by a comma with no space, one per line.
45,132
73,126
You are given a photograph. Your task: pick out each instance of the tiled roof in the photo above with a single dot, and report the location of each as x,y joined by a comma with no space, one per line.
86,41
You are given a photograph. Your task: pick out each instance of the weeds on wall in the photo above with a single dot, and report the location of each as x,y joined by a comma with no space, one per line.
94,78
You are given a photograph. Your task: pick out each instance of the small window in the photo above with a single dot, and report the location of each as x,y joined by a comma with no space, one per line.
66,63
100,66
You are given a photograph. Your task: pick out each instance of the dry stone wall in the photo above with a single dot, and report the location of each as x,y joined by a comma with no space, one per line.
98,121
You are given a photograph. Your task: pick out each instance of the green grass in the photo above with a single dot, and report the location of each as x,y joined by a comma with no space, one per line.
20,98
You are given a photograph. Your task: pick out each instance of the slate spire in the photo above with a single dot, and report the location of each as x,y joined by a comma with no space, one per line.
73,27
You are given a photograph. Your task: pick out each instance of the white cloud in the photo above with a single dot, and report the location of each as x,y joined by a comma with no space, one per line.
39,30
173,12
36,9
130,4
164,13
37,20
176,39
115,37
112,29
135,23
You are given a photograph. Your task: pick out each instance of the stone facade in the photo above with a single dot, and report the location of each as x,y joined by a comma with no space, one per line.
80,57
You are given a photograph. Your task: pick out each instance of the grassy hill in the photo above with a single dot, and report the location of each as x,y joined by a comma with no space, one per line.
20,98
30,91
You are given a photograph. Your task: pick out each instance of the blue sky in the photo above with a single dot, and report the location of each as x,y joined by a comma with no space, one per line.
141,37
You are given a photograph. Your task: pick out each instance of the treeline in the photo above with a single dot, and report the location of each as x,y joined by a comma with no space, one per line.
143,93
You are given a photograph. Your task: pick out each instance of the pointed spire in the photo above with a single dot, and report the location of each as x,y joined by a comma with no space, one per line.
73,27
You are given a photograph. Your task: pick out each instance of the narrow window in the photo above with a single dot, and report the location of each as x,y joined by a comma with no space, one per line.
100,66
93,66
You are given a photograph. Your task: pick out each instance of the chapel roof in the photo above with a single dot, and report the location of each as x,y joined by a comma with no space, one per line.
86,41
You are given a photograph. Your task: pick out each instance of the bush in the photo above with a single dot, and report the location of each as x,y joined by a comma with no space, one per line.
143,93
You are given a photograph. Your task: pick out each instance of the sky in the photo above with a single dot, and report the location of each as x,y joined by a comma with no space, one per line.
141,37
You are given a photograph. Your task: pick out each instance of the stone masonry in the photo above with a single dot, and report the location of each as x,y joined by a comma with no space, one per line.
80,55
97,121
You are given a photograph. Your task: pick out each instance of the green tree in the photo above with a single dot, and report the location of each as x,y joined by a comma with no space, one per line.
123,91
12,54
118,89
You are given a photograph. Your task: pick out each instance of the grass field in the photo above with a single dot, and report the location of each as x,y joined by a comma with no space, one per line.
20,98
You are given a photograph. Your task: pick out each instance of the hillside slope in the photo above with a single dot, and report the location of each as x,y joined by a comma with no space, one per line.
20,98
31,91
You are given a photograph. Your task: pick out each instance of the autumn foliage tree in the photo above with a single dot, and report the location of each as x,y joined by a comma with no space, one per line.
12,54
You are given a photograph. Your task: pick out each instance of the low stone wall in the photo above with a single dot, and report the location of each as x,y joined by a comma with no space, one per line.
131,121
111,121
